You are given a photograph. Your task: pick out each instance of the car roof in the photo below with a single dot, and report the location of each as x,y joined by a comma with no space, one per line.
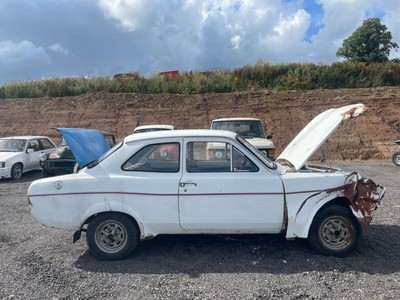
26,137
164,126
236,119
180,134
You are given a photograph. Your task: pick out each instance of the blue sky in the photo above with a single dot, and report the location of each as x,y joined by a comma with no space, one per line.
64,38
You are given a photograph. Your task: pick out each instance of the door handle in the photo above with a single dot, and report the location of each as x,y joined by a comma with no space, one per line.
183,184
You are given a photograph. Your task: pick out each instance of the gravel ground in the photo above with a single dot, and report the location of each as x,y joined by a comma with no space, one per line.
37,262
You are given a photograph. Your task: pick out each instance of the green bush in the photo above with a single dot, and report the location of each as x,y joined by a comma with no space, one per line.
262,75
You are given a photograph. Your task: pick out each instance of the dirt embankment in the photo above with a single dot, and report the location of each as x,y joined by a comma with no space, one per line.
369,137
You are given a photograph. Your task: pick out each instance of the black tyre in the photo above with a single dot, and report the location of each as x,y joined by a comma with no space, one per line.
16,172
45,173
76,168
112,236
335,231
396,158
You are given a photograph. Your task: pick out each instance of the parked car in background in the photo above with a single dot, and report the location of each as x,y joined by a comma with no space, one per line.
149,128
251,129
91,142
133,192
396,155
20,154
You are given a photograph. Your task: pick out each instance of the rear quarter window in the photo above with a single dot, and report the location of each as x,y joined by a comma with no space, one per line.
155,158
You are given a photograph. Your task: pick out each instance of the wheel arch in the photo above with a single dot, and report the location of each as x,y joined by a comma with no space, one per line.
335,231
299,222
90,218
99,209
18,163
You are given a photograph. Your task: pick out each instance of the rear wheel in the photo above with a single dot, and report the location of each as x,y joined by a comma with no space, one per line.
112,236
334,231
396,158
16,172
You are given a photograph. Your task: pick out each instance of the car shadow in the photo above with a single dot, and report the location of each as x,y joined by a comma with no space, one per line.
200,254
26,177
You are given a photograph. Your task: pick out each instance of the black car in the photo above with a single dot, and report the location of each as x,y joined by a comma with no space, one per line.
63,161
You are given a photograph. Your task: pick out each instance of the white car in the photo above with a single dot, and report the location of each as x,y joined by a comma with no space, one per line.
154,127
162,183
20,154
252,129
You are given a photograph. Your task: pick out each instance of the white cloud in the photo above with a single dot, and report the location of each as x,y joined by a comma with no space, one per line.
132,14
22,53
293,26
114,36
58,48
235,41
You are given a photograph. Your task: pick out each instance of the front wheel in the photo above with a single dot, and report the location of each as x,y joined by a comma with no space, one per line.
112,236
16,172
334,231
396,158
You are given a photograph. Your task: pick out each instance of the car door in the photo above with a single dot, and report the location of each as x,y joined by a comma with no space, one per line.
225,194
32,154
150,181
35,148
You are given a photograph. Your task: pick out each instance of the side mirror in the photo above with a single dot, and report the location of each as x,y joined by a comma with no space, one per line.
269,137
30,150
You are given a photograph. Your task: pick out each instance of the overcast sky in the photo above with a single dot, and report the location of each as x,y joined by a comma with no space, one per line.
64,38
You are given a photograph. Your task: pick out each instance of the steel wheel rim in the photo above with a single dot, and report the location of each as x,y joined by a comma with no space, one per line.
17,172
111,236
397,159
336,233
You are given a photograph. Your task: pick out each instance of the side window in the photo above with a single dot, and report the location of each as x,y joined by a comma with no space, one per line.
214,157
241,163
34,144
110,139
62,142
203,157
155,158
46,144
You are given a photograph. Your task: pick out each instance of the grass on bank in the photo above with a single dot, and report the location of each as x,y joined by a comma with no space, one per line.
262,75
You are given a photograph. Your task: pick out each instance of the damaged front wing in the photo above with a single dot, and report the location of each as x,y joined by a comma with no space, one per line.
364,196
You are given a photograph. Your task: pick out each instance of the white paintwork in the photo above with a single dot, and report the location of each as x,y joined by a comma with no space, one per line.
153,127
28,159
316,133
235,201
261,143
271,200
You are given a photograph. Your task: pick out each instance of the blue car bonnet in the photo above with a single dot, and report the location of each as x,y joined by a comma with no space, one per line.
87,145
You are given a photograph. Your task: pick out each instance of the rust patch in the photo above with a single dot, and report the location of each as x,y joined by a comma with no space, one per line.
147,237
364,197
362,193
354,112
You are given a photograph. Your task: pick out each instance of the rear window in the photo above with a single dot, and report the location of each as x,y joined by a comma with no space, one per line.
155,158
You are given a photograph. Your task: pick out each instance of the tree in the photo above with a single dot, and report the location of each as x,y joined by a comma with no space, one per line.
371,42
